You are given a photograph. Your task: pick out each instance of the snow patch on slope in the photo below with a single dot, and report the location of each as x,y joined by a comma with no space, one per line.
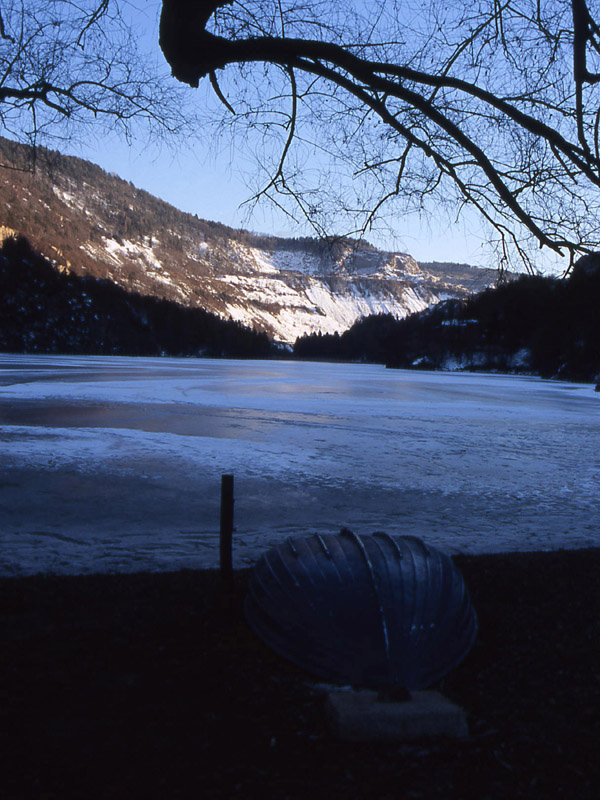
286,291
310,305
136,250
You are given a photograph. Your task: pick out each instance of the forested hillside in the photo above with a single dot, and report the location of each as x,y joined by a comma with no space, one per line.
538,325
44,310
95,224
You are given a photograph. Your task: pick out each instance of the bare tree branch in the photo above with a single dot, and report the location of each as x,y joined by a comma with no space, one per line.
499,98
68,65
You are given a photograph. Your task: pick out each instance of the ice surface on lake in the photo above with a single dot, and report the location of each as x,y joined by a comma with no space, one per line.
114,464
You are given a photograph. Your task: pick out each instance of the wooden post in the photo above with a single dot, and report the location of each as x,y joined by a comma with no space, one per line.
226,535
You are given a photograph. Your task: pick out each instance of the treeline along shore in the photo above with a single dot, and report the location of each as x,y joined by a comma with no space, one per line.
45,310
152,685
531,325
535,325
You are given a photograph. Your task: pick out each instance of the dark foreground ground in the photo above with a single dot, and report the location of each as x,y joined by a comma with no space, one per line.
148,685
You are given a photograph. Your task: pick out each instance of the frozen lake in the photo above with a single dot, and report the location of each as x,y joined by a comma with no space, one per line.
114,464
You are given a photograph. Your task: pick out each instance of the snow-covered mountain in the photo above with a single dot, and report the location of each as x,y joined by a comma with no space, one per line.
92,223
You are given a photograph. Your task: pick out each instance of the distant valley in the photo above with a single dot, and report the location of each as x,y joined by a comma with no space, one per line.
92,224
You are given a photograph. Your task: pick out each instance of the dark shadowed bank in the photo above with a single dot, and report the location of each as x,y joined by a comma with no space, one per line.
151,685
531,325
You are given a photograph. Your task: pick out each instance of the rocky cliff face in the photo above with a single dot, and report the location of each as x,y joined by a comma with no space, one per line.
92,223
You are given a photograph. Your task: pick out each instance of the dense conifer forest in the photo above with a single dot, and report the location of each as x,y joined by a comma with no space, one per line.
534,325
45,310
538,325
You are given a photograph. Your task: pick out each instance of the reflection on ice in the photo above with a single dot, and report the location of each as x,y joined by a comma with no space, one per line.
115,463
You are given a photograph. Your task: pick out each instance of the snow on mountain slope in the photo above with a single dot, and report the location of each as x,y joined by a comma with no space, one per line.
285,292
96,224
292,302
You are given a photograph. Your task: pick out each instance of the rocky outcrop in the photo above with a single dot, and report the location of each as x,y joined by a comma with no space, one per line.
90,223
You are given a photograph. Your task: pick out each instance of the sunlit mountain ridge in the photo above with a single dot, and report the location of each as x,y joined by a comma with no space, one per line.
90,223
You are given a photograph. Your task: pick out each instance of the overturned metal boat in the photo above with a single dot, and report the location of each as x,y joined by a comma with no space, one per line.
374,611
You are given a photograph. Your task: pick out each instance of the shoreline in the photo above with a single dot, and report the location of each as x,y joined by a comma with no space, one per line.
244,568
